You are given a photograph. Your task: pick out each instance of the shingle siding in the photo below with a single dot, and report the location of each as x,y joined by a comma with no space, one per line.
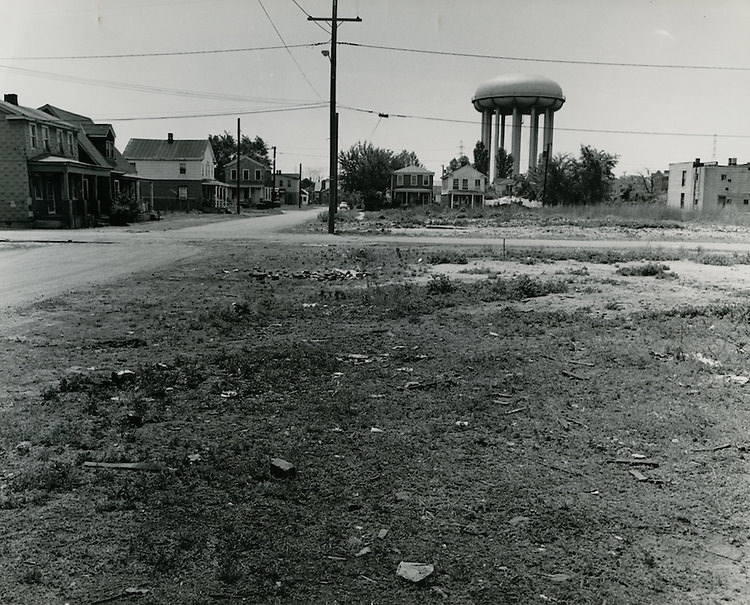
14,176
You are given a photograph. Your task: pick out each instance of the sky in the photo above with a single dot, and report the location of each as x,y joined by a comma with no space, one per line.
652,82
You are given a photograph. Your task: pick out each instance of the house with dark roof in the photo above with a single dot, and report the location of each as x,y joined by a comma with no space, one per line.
252,179
96,145
182,172
411,185
46,182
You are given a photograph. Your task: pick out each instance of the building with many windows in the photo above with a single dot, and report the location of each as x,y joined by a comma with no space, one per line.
464,187
706,186
411,185
253,181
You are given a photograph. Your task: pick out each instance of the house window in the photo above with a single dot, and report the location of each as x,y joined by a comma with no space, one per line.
723,177
85,189
477,183
682,200
110,148
32,134
183,168
51,209
426,180
182,192
289,183
245,174
117,187
60,147
399,180
70,145
257,174
38,191
413,180
45,137
744,202
684,175
455,183
464,183
233,174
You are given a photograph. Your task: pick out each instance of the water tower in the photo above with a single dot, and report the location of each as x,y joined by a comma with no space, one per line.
517,95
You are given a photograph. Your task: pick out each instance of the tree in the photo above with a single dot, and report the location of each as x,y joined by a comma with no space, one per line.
366,169
457,163
594,175
482,158
225,150
504,164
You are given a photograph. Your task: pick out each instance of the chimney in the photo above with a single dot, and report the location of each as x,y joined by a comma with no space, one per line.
170,138
732,161
11,98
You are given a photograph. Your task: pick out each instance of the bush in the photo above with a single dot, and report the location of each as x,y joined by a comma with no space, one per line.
125,209
649,269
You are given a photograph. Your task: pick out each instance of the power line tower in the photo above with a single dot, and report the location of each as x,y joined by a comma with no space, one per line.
334,20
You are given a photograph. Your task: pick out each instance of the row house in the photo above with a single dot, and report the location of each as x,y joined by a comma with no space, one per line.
48,177
411,185
181,171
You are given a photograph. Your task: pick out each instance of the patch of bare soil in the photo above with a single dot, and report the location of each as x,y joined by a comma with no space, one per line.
531,432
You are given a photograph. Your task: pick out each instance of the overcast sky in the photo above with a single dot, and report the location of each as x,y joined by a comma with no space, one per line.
696,82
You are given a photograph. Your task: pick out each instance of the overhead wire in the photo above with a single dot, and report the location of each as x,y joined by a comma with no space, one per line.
310,17
278,33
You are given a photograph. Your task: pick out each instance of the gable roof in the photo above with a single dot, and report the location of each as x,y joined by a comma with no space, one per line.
67,116
465,171
35,115
244,160
413,170
161,149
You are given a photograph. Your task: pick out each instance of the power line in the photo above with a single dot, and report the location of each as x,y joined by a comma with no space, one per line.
177,53
543,60
278,33
310,17
216,114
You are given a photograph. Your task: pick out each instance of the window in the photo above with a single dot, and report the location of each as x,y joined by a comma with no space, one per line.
289,183
245,174
233,174
85,189
464,183
32,134
38,191
455,183
413,180
744,202
110,147
477,183
399,180
51,208
682,200
426,180
71,145
45,137
684,176
723,177
60,147
182,192
117,187
257,174
183,168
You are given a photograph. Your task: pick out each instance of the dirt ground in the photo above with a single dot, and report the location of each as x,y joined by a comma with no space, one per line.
536,429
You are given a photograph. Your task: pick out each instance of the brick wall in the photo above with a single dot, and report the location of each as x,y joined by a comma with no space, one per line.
15,196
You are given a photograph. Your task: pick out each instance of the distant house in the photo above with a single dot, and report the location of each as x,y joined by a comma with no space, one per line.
464,187
707,186
96,145
182,172
287,187
411,185
45,183
253,179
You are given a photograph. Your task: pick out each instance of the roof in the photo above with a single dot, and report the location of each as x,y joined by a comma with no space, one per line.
245,159
413,170
17,111
161,149
97,130
68,116
465,171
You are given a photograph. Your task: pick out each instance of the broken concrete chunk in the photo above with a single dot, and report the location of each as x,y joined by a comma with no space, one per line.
382,534
414,572
281,469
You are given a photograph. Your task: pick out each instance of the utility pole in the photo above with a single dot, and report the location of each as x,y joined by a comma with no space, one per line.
238,166
299,188
273,183
334,134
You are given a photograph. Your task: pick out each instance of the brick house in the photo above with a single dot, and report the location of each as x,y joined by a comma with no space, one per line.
411,185
182,172
253,177
45,181
96,145
464,187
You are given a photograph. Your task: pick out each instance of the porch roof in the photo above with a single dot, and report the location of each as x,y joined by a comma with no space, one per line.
54,163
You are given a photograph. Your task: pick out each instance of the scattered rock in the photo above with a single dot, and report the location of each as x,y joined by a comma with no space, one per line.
365,551
23,448
402,496
122,376
518,520
281,469
382,534
414,572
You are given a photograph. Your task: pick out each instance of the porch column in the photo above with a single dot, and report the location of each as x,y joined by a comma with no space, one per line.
67,203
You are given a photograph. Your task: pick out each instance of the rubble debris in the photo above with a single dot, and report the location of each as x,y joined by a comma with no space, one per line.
126,466
414,572
281,469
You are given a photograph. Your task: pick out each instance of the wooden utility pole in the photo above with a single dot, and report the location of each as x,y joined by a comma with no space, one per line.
273,183
299,188
238,166
334,135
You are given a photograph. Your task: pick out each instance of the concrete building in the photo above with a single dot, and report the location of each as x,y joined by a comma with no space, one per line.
517,95
708,186
464,187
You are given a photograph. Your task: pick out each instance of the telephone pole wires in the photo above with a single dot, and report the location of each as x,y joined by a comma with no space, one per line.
334,20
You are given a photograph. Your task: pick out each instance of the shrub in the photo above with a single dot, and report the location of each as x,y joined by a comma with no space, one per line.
649,269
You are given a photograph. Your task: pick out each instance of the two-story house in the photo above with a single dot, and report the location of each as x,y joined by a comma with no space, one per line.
44,181
253,181
411,185
96,145
287,188
182,172
464,187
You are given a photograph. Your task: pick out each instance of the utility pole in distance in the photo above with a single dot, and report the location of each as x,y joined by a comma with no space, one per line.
239,211
334,135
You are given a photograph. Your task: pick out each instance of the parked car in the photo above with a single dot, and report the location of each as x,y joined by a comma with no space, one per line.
344,206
